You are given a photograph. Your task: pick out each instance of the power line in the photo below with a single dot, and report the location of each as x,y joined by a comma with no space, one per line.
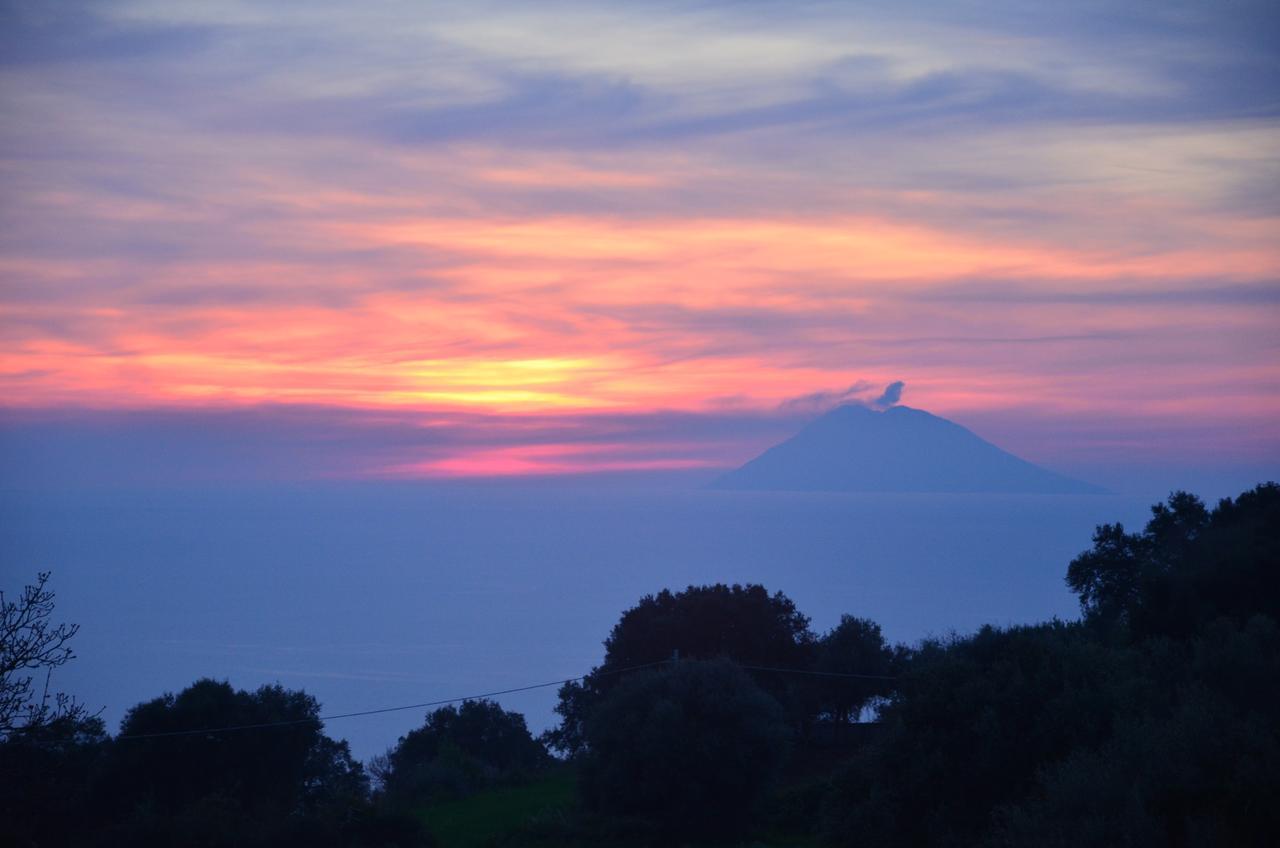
440,703
446,701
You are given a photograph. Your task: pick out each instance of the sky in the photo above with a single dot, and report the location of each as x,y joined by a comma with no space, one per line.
400,240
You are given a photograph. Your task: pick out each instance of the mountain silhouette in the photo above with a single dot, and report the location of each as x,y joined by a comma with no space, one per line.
854,448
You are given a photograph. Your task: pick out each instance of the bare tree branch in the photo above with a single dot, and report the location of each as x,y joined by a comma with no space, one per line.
30,641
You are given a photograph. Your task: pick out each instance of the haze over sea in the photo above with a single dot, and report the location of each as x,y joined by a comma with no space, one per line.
376,595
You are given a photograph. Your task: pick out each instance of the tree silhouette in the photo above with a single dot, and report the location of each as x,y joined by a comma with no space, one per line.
1152,722
745,624
272,769
691,747
457,751
257,771
853,647
742,623
31,642
972,722
1187,566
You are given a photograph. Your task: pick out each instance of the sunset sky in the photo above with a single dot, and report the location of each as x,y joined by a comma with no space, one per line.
399,239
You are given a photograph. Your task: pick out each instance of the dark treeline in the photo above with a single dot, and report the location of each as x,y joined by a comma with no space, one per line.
719,717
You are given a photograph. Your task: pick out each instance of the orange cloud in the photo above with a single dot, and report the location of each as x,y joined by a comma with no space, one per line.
342,298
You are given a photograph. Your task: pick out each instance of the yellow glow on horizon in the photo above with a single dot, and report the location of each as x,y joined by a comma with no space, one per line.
563,316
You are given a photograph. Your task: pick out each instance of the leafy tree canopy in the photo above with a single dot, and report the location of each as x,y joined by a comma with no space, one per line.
690,747
853,647
1150,723
1188,566
745,624
742,623
275,767
459,750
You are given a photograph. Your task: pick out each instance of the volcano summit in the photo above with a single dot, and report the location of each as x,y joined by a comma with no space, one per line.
855,448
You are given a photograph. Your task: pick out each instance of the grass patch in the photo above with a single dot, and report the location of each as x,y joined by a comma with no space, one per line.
477,820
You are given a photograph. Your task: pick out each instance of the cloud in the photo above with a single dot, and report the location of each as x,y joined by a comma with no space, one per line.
76,31
891,395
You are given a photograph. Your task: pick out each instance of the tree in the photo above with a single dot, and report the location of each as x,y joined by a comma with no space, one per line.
1108,577
742,623
1200,769
30,641
1188,566
258,771
1150,723
691,747
971,724
745,624
459,750
853,647
50,746
48,775
273,768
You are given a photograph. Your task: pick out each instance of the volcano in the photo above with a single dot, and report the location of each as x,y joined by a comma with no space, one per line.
855,448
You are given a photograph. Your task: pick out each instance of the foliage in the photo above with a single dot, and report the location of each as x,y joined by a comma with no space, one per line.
1201,770
574,704
459,750
971,724
277,780
51,748
742,623
853,647
47,777
64,781
691,747
278,767
1188,566
1153,722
